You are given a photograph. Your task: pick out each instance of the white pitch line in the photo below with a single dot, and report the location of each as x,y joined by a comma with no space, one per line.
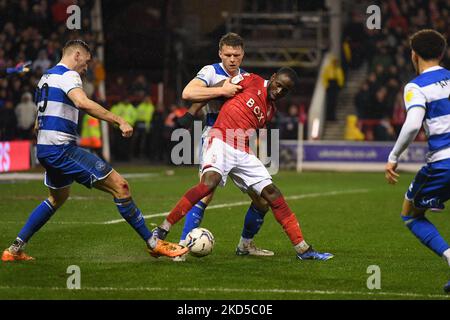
216,206
241,203
240,290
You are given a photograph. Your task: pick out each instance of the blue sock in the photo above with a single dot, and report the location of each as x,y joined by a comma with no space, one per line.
254,219
40,215
427,233
128,210
193,218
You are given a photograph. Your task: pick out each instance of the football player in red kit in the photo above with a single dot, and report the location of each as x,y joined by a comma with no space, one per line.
226,153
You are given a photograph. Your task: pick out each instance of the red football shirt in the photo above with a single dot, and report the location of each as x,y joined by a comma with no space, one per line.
247,110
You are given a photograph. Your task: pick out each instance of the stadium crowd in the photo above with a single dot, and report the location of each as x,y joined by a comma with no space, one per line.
35,31
379,102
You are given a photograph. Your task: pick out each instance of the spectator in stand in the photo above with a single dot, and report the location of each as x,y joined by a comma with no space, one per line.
8,122
144,116
26,116
99,72
333,80
380,74
122,146
288,124
129,114
346,55
362,101
42,62
91,135
118,109
399,113
139,86
15,90
390,46
30,30
392,87
118,88
381,130
156,136
377,108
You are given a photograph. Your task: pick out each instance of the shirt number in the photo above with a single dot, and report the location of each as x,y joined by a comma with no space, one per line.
42,95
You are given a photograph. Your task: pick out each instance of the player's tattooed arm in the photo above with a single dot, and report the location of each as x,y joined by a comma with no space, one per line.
79,98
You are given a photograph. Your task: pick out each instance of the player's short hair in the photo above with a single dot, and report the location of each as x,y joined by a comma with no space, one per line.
290,73
428,44
76,43
231,39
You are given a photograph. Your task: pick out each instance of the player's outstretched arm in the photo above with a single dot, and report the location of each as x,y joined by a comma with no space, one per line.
409,131
21,67
79,98
197,91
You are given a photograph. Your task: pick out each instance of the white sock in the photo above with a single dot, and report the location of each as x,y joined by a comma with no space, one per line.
244,242
151,243
446,255
166,225
182,242
17,246
301,247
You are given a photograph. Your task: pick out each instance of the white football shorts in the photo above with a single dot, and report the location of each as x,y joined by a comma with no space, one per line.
245,170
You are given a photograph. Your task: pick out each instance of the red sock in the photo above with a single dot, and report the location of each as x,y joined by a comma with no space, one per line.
287,219
190,198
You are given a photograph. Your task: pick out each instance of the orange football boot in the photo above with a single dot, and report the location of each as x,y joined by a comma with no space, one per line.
167,249
8,256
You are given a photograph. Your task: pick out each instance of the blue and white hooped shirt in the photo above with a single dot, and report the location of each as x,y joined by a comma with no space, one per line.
57,114
211,75
431,91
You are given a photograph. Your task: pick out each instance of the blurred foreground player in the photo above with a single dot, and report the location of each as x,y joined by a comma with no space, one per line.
226,153
21,67
427,101
59,98
204,87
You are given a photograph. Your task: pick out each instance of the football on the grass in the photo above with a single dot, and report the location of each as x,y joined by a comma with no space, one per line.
200,242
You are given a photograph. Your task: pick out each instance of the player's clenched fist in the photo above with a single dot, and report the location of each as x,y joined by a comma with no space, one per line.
127,130
230,89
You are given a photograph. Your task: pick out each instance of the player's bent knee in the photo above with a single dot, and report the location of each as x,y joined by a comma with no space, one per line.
58,200
409,210
211,179
271,193
123,189
262,207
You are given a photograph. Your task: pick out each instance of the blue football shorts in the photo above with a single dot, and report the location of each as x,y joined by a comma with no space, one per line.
71,164
431,186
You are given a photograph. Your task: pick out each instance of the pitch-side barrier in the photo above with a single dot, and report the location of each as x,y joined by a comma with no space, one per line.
347,155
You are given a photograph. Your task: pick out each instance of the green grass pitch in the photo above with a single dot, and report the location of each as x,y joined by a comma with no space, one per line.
353,215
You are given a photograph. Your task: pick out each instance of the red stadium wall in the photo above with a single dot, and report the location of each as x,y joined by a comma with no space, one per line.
14,156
